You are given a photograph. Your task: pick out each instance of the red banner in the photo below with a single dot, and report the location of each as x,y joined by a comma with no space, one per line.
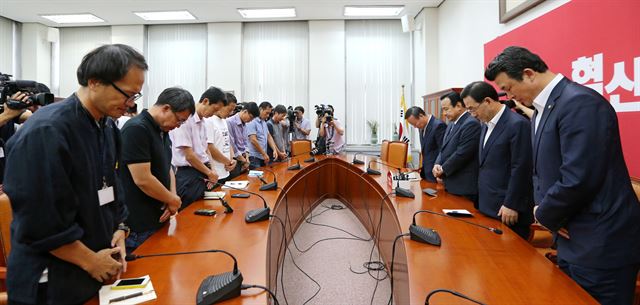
595,43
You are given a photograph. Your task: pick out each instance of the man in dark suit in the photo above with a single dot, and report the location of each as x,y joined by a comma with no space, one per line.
581,182
431,135
457,163
505,189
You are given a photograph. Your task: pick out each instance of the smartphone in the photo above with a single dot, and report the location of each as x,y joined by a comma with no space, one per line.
240,195
205,212
131,283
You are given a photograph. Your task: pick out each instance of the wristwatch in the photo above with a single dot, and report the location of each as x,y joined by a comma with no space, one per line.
124,228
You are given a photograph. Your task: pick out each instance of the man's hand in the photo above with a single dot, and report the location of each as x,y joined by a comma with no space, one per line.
10,113
118,241
437,170
103,267
562,232
323,119
212,177
509,216
231,165
297,125
282,155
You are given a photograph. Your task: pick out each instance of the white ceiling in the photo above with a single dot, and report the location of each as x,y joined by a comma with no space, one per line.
119,12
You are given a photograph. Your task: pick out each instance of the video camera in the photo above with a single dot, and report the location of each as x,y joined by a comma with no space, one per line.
38,93
321,110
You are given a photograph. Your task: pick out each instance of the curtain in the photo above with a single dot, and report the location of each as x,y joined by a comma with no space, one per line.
275,63
377,65
6,51
177,56
74,44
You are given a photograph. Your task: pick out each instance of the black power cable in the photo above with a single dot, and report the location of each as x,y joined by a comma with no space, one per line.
458,294
393,257
249,286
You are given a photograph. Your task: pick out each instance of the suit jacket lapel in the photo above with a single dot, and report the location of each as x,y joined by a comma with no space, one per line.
427,134
483,132
497,131
551,102
455,128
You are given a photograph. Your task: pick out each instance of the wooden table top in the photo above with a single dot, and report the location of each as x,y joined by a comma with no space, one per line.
491,268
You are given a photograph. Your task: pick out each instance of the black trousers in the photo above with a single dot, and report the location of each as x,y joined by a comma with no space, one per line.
190,185
41,299
608,286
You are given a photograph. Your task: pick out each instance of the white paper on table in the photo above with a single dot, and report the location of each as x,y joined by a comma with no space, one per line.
106,294
456,211
236,184
173,224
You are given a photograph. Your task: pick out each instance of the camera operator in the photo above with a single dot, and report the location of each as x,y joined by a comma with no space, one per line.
333,133
301,126
8,120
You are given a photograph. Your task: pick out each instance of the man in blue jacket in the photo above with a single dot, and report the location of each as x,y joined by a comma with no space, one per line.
431,134
505,190
457,163
581,183
68,232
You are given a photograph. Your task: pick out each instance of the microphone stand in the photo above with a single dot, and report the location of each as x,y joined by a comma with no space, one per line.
255,215
402,192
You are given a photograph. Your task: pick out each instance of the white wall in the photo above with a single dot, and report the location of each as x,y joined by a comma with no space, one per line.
326,68
224,56
36,53
131,35
463,27
74,44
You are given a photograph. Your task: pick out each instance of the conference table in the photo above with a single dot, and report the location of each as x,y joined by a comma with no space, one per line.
488,267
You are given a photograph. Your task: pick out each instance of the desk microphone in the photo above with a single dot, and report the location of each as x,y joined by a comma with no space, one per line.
310,160
402,192
358,161
269,186
255,215
294,167
458,294
214,288
426,235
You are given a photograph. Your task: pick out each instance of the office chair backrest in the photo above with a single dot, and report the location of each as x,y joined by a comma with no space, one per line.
299,147
5,222
397,153
384,151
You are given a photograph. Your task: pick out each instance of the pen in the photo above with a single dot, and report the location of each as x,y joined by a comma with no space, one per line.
130,296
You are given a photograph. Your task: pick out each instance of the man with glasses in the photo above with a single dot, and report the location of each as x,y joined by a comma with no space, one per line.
68,234
505,188
148,180
190,154
431,134
457,163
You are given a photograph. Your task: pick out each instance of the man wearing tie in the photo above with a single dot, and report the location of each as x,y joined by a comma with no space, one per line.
457,163
505,189
431,135
581,183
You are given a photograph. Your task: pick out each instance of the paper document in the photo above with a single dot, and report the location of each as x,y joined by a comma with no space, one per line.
235,184
214,195
106,294
456,212
253,173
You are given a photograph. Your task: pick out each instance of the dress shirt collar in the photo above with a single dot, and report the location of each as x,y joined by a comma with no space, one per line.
541,100
496,117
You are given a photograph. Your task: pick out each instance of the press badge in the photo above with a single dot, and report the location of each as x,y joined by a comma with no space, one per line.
106,195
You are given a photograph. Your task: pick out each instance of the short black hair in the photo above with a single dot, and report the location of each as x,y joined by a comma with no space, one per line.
252,109
299,108
178,99
414,111
109,63
454,97
479,91
280,109
215,95
513,60
231,99
265,105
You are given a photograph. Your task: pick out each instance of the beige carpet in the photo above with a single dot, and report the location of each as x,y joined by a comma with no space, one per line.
329,262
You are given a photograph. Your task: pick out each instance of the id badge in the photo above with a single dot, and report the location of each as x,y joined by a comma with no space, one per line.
106,195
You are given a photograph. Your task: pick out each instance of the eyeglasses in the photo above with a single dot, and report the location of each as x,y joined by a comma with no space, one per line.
130,98
180,121
474,108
